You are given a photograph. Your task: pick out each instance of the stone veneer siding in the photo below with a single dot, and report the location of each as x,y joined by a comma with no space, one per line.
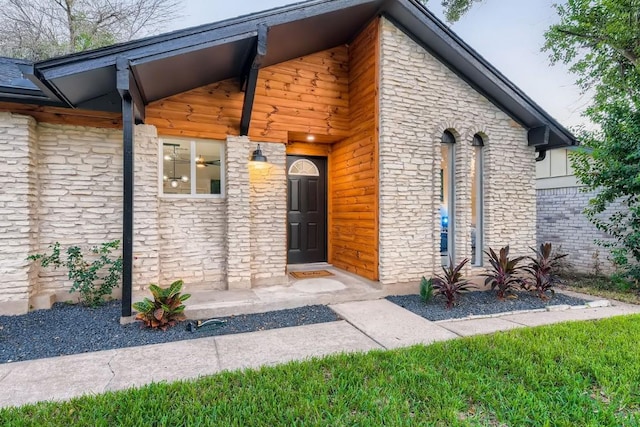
420,98
561,222
64,183
18,210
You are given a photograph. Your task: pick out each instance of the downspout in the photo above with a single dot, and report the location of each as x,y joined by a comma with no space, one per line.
542,154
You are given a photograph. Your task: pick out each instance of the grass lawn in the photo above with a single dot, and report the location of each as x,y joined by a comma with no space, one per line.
573,374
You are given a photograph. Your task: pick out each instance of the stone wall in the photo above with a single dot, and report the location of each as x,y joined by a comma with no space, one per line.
268,200
561,222
18,210
80,193
420,98
64,184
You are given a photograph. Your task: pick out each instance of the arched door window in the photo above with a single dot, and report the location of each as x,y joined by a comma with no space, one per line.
304,167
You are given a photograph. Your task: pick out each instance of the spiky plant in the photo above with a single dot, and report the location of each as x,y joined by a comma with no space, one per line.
426,290
543,270
504,272
450,283
166,309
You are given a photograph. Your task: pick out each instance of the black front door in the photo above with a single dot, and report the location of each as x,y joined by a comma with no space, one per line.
306,210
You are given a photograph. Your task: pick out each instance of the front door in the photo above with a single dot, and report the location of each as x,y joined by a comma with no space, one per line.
306,209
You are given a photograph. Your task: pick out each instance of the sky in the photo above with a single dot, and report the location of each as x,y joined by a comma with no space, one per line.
508,33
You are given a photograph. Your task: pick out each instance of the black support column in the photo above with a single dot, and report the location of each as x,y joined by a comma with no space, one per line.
132,112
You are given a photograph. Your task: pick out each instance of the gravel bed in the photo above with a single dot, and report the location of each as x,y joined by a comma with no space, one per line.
478,303
71,329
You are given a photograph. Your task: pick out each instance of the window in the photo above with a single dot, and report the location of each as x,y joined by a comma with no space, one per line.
477,200
192,168
447,197
304,167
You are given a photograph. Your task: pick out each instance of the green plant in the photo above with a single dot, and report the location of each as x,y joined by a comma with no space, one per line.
426,290
92,279
503,273
450,283
544,270
166,309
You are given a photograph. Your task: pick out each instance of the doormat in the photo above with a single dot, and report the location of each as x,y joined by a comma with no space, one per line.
310,274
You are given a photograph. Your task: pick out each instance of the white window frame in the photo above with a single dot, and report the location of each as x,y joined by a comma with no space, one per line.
192,177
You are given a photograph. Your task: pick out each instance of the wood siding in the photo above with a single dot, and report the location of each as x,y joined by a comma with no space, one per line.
353,176
308,94
65,116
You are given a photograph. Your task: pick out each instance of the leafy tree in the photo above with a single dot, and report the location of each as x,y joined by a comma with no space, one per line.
40,29
455,9
600,40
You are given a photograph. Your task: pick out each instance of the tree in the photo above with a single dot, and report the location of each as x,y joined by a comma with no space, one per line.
454,9
40,29
600,40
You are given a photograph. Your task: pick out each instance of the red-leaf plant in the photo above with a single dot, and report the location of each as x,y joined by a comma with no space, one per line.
543,270
450,283
504,273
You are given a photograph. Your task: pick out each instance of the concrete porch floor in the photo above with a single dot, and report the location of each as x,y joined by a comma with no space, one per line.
339,288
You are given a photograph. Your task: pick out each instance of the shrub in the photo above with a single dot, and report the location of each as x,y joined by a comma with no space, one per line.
93,280
504,273
426,290
450,283
544,270
166,309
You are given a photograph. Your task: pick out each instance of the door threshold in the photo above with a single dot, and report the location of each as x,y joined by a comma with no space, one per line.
310,266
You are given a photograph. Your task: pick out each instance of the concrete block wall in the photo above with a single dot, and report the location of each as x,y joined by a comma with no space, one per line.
561,222
420,98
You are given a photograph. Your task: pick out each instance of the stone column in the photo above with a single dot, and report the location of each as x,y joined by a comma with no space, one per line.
237,192
18,211
269,217
146,238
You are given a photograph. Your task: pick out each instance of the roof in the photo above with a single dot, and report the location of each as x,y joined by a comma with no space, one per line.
181,60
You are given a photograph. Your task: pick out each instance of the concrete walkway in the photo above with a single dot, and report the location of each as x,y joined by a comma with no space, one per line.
368,325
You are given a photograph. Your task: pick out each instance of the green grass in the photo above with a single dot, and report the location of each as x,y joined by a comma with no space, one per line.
573,374
601,286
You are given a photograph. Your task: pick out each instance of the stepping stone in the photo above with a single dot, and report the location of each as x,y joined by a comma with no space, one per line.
391,325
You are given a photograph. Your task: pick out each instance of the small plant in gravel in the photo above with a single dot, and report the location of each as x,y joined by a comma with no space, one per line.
426,290
166,309
504,272
450,283
544,270
92,279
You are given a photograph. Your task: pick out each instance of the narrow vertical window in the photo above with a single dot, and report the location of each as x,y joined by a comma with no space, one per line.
477,202
447,197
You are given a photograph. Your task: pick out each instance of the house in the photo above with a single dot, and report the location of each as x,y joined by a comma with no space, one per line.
561,221
391,145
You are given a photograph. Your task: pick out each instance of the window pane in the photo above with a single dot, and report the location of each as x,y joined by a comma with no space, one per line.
444,204
208,167
477,206
176,167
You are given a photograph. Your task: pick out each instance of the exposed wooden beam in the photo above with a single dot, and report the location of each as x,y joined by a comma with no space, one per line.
539,136
252,79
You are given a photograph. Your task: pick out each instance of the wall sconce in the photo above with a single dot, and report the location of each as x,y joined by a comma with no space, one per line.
257,156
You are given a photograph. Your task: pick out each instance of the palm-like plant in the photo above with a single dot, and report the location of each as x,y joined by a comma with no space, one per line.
543,269
166,309
504,273
450,283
